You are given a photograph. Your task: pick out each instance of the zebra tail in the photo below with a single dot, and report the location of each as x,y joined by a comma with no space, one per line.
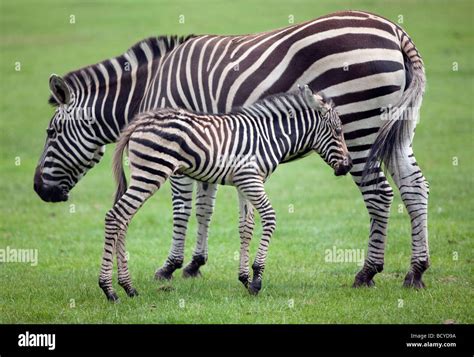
397,131
117,164
117,161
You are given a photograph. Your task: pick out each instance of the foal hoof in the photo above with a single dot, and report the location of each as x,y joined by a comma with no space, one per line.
254,287
163,274
191,272
411,281
244,279
132,292
359,283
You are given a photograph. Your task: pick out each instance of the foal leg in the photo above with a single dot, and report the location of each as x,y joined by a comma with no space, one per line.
205,198
246,225
116,224
414,190
378,197
251,188
124,279
105,278
182,195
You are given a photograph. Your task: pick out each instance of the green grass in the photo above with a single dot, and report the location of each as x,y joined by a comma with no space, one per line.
299,286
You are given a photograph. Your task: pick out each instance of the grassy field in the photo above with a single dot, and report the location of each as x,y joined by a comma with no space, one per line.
315,210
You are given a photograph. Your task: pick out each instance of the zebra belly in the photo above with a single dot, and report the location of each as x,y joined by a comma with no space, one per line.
223,168
352,57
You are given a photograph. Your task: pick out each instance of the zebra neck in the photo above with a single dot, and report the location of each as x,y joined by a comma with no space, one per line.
125,94
112,90
294,134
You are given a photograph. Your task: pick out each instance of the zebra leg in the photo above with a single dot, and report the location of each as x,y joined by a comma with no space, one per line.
182,195
105,277
246,225
414,190
251,188
378,197
205,198
116,224
124,279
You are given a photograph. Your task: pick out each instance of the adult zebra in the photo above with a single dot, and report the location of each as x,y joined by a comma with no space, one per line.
364,62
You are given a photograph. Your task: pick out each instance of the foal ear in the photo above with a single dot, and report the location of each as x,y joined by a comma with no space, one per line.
316,101
59,89
308,95
321,105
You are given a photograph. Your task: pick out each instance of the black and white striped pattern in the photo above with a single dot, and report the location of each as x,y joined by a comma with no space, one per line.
241,149
93,104
364,62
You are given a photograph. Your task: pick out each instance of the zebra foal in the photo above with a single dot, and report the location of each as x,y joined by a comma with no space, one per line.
254,140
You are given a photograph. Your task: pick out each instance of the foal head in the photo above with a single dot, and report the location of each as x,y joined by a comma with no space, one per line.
329,139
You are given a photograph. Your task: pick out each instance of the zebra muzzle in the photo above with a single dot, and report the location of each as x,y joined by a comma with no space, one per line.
343,167
48,193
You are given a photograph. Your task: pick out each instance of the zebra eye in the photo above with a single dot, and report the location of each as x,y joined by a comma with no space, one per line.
51,133
338,130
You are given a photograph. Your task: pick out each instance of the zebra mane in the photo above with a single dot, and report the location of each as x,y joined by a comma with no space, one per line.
160,45
282,100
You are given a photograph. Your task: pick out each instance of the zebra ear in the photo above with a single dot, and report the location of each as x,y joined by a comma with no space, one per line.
304,89
321,104
315,101
59,89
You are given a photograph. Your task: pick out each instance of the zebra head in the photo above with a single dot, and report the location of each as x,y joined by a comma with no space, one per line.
71,147
329,139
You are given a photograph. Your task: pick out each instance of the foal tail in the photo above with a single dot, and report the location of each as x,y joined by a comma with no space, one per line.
396,132
117,162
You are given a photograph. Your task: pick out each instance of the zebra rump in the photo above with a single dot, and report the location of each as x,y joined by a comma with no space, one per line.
117,161
398,130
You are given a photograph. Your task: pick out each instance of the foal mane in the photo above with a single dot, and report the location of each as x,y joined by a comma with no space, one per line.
281,99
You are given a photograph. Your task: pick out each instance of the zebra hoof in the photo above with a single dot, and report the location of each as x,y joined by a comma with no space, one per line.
412,281
365,277
255,287
163,274
113,297
244,279
192,269
363,283
132,292
191,272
